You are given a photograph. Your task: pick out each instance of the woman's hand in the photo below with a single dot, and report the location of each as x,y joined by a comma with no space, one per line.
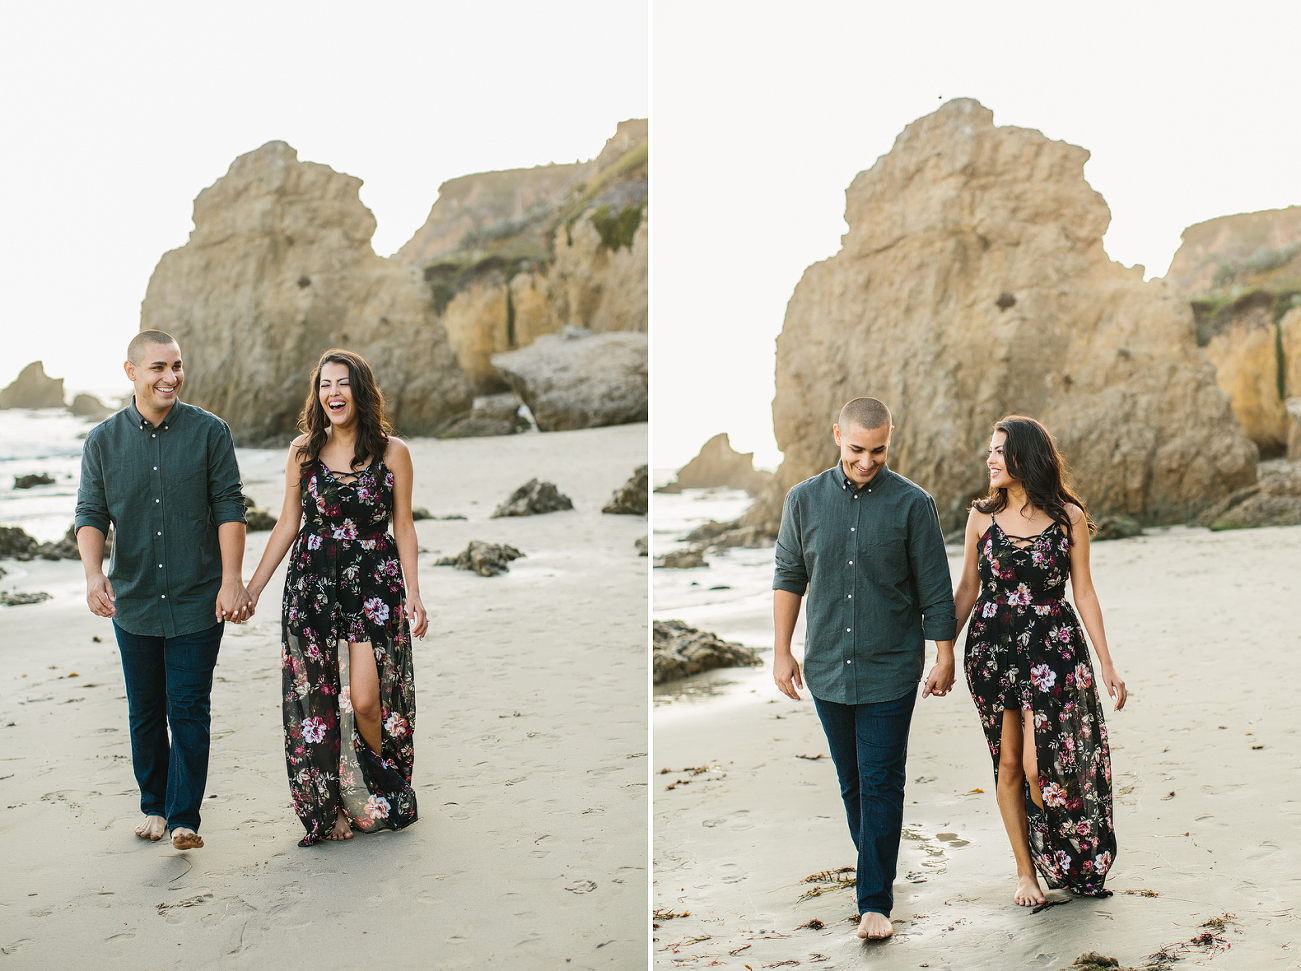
416,614
1115,687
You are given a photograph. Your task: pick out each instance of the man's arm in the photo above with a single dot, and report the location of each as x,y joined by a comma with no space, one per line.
92,525
790,580
233,601
930,568
226,495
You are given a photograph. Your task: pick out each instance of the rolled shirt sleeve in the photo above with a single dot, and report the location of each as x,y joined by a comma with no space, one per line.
790,572
92,504
930,570
225,490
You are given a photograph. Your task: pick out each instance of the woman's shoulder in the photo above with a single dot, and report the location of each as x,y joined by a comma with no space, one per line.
1074,513
395,447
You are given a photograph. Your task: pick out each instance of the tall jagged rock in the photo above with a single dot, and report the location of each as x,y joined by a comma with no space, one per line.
718,465
1242,273
279,268
33,388
510,256
973,283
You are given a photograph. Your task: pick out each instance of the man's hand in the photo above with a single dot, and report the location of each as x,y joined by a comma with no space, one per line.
786,672
99,595
940,681
233,602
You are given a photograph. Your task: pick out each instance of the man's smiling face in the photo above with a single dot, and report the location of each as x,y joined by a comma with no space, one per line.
157,377
862,450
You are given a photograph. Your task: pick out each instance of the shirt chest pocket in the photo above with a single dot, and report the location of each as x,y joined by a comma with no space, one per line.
884,545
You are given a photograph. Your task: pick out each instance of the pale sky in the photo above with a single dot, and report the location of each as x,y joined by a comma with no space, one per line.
764,114
115,116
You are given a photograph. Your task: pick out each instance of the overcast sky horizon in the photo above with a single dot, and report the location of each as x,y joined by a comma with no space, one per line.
116,115
762,122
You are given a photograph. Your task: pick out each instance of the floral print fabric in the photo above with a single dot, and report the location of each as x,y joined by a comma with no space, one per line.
344,585
1026,652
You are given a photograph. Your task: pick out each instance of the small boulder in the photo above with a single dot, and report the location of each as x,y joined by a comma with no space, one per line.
681,650
14,599
689,559
88,406
643,546
577,379
630,499
420,512
494,414
1117,527
485,559
257,520
30,481
33,388
533,498
14,542
1275,500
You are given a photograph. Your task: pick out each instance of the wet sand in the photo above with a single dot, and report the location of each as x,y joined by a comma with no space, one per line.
530,771
1205,630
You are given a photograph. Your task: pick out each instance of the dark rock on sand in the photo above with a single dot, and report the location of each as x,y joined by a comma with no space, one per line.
88,406
1117,527
494,414
1275,500
14,542
15,599
485,559
643,546
719,466
30,481
257,520
533,498
33,388
630,499
688,559
577,379
681,650
420,512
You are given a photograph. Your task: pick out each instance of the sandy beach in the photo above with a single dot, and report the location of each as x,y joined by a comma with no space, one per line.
531,757
1203,627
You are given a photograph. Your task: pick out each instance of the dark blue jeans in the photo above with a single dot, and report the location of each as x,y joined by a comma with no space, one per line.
169,683
869,745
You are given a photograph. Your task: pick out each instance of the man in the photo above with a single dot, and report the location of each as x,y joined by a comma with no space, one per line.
163,473
867,545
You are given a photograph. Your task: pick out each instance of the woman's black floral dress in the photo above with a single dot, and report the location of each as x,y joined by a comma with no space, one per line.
1026,651
344,584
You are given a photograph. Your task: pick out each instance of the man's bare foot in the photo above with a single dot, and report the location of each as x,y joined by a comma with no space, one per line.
152,828
186,839
874,926
1028,893
342,828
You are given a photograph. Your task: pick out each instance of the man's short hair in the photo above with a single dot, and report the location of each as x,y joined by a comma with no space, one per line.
135,351
866,413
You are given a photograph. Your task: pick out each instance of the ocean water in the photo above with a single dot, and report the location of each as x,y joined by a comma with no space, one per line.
33,441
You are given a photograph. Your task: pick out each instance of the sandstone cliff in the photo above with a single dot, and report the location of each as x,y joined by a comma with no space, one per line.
718,465
1242,274
973,283
33,388
279,268
510,256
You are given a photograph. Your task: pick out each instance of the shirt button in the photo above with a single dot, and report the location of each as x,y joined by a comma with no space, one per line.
849,662
852,528
849,596
160,534
155,468
160,566
156,500
153,434
851,562
164,597
849,630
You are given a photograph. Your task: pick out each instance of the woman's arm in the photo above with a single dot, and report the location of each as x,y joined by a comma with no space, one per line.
398,458
968,591
1087,605
286,527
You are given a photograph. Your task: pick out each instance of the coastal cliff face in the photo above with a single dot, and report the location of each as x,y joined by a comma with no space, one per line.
279,267
972,284
509,256
1242,275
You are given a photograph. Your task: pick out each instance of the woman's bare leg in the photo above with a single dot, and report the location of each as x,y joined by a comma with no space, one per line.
363,689
1011,805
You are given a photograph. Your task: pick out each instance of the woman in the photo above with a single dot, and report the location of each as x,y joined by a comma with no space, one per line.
349,698
1028,665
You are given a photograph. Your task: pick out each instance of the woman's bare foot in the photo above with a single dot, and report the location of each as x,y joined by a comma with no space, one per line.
152,828
874,926
1028,893
342,828
184,838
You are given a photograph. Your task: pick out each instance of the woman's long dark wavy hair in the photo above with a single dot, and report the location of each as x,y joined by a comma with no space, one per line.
373,429
1030,455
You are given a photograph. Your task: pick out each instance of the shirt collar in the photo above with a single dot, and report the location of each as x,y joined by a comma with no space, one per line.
142,423
847,484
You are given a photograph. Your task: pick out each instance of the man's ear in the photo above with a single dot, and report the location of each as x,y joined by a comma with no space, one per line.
130,370
835,430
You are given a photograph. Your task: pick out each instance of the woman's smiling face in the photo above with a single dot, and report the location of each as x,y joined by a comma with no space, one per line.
335,394
999,476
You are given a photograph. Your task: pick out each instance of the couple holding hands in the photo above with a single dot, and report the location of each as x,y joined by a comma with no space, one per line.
163,474
865,544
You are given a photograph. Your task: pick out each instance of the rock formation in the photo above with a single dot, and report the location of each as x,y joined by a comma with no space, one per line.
680,650
510,256
691,558
279,268
33,389
493,414
88,406
576,379
485,559
1242,274
33,480
973,283
533,498
631,498
718,466
1273,501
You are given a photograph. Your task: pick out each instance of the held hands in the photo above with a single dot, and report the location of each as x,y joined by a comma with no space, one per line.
417,616
1115,687
940,681
786,672
233,602
100,597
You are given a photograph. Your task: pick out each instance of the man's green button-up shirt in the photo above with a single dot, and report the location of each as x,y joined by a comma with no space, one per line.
872,560
165,489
